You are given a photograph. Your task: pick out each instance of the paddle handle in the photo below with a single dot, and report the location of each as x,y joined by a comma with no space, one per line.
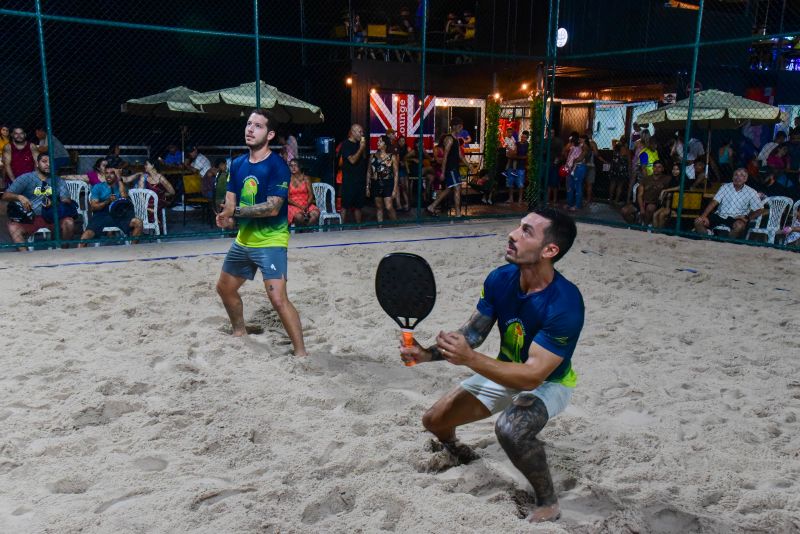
408,341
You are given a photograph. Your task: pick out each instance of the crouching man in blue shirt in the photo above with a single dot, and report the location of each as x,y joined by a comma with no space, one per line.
539,314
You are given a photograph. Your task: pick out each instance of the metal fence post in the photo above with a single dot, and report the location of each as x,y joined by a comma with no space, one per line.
48,124
547,107
258,53
421,142
686,135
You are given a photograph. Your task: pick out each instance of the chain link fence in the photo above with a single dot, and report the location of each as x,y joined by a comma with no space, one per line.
569,103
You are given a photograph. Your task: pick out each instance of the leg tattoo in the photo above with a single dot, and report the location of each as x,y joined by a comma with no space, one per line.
516,431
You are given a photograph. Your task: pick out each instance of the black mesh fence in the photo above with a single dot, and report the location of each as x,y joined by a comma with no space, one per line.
626,112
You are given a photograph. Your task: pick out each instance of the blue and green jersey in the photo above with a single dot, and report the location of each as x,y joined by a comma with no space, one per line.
552,318
252,183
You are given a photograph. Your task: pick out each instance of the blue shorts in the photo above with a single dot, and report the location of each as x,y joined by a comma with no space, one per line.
497,398
452,179
515,178
103,219
242,262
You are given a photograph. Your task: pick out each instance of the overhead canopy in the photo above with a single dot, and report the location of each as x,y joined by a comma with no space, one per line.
170,103
715,109
235,101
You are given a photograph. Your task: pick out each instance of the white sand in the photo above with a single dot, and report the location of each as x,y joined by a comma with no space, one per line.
124,407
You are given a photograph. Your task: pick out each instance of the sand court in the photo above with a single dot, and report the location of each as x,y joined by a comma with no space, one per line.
125,407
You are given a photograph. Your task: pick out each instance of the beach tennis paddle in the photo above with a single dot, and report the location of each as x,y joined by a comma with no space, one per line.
406,290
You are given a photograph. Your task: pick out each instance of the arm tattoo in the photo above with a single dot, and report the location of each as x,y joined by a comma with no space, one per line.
270,208
477,328
475,331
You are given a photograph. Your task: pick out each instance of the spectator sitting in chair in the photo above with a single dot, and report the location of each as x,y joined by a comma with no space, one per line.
647,195
173,157
103,194
197,162
302,209
154,181
34,192
770,187
738,205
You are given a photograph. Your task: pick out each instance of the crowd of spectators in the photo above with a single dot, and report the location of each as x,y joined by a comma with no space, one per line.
644,177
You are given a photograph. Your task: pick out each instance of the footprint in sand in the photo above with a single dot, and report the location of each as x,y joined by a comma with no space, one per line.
150,463
102,414
335,502
69,486
211,497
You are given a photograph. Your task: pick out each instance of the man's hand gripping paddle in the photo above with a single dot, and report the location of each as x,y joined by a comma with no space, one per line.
406,290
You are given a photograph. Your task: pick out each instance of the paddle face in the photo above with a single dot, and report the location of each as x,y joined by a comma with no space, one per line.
121,209
405,288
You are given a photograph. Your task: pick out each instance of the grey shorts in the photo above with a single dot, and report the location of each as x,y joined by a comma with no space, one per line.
243,262
497,398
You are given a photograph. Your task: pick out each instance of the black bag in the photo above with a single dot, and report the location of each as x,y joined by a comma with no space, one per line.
17,213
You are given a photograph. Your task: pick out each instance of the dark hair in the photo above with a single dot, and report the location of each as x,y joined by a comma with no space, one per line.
658,162
526,132
111,148
154,162
220,161
386,140
42,155
97,163
561,231
271,122
191,148
456,121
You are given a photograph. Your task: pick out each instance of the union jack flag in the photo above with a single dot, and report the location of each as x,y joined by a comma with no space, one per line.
400,112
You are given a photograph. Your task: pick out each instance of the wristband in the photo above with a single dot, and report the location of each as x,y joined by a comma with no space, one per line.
237,211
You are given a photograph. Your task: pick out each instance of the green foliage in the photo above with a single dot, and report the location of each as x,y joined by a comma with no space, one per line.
535,154
492,137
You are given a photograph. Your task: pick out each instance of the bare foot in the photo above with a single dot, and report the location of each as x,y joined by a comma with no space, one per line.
239,333
300,354
541,514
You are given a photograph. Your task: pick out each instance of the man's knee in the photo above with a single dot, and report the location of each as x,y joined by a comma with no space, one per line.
520,423
277,294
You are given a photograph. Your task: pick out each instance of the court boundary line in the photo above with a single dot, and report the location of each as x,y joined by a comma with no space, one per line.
203,254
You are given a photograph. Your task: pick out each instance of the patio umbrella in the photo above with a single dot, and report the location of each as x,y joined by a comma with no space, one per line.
172,103
713,109
235,101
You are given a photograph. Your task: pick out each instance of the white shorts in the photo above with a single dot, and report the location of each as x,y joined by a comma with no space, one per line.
497,398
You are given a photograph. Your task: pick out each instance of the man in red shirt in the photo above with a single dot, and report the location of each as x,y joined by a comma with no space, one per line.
19,156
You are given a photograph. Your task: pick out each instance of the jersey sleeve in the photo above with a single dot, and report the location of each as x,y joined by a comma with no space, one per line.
563,326
279,181
486,305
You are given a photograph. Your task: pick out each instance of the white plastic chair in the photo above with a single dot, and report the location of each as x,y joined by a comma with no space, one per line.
325,196
777,215
141,200
79,193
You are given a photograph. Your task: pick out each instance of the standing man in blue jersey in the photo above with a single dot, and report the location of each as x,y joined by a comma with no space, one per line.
539,314
256,198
